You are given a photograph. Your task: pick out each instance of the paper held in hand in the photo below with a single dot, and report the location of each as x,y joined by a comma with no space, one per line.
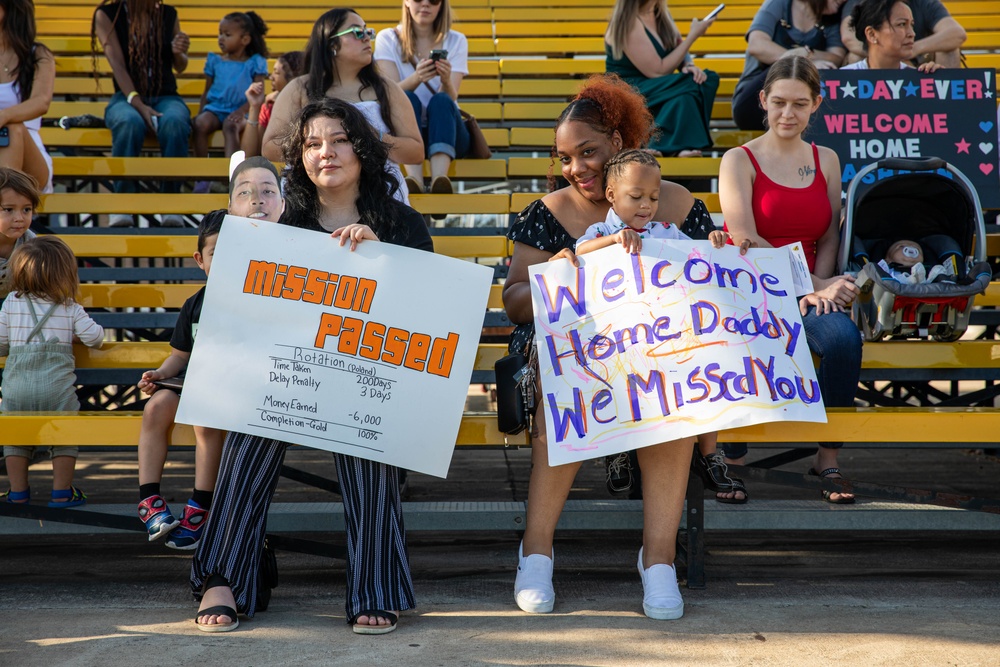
367,353
679,340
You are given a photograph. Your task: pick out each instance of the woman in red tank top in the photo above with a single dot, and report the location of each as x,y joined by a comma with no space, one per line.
779,190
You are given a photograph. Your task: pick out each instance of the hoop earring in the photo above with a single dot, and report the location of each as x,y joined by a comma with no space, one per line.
334,52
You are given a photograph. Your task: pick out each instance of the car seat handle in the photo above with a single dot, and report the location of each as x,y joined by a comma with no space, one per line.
922,164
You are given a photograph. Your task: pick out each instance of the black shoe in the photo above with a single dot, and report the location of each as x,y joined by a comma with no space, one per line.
619,473
86,120
713,471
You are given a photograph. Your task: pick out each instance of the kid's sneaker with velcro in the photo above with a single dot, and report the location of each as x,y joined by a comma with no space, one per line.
185,537
155,514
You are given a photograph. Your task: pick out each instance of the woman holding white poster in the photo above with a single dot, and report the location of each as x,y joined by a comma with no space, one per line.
604,118
778,190
336,183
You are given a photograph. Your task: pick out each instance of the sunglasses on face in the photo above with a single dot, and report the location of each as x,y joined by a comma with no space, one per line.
359,33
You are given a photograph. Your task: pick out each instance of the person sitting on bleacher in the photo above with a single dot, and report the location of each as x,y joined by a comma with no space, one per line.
782,29
38,323
644,47
886,29
937,36
287,67
18,201
223,104
163,388
336,183
145,99
606,116
339,65
429,60
26,85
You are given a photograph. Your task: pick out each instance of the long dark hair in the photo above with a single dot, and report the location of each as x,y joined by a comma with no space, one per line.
145,42
376,186
19,33
321,66
252,24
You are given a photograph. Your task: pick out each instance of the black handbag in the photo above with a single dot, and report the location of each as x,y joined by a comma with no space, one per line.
515,381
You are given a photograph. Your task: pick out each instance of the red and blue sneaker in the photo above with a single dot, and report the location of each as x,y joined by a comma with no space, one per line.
155,514
185,537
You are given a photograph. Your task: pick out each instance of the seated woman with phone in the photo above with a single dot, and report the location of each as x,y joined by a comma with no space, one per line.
26,85
429,60
644,47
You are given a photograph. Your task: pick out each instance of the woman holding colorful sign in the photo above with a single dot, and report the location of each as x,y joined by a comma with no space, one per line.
779,190
336,183
885,28
604,118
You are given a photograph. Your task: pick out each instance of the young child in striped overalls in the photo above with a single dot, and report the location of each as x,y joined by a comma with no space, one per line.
39,321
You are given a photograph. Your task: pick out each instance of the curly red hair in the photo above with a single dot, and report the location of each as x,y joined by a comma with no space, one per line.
607,103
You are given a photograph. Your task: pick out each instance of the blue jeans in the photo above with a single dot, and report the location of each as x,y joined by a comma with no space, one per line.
128,131
445,131
835,339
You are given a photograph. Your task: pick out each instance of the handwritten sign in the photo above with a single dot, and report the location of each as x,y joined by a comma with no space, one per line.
367,353
679,340
869,115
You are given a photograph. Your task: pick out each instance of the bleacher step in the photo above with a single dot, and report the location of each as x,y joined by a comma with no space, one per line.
607,514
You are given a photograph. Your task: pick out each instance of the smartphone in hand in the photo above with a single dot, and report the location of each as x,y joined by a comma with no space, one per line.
4,137
714,12
438,54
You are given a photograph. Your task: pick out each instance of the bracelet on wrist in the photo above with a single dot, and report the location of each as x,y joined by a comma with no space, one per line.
131,96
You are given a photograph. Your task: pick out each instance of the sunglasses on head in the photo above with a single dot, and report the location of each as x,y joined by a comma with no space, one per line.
359,33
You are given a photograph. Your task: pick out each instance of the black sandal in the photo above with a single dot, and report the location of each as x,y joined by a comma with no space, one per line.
374,629
738,486
829,472
215,581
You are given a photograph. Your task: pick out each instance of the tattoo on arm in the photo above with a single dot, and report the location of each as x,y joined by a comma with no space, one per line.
806,171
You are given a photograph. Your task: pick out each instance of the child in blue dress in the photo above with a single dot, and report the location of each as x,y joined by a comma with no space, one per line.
223,104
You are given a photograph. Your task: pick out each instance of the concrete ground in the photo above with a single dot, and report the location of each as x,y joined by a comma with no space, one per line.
777,598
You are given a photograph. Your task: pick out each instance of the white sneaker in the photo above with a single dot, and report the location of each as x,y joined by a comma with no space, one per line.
120,220
533,590
661,597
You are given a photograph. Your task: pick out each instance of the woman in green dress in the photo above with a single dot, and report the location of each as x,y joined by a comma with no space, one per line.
644,47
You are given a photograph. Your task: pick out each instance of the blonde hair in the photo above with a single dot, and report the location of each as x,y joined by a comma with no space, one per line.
623,17
45,267
408,33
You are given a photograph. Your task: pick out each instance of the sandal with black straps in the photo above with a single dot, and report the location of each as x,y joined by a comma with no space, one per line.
374,629
830,472
714,473
215,581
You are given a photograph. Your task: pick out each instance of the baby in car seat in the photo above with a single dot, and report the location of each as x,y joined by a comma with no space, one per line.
904,261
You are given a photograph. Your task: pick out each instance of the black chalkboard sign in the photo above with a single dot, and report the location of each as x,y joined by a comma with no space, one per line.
868,115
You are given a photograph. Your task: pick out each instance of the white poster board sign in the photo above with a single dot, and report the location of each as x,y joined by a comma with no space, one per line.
679,340
367,353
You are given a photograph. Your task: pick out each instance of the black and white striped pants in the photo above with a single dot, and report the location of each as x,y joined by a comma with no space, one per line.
378,569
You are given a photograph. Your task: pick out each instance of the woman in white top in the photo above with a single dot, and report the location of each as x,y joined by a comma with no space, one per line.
339,64
885,28
429,60
27,79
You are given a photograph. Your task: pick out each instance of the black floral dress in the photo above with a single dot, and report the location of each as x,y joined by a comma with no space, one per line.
537,226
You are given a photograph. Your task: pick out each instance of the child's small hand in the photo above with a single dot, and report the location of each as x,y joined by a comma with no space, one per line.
719,238
255,94
146,385
630,240
356,233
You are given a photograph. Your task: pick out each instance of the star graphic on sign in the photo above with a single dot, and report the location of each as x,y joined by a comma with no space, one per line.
911,89
848,90
989,94
963,146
